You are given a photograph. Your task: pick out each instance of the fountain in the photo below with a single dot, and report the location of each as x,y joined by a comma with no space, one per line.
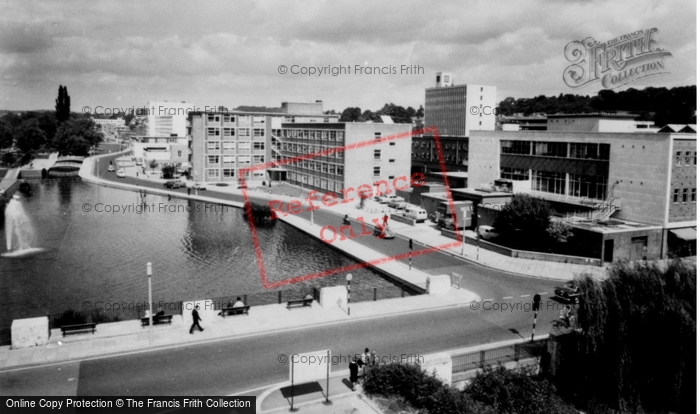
19,230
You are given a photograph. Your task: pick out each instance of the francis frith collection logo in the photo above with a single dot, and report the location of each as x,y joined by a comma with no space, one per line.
614,63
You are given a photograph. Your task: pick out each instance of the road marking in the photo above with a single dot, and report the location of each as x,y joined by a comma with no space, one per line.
542,293
508,297
524,296
488,300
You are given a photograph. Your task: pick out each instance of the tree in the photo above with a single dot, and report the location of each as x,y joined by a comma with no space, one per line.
62,104
76,137
6,137
8,158
168,171
637,311
30,137
524,218
153,164
559,231
420,113
350,115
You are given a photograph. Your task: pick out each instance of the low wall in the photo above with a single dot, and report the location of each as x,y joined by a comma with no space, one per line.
402,219
524,254
30,332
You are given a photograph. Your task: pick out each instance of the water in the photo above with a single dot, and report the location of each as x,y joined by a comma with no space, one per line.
94,258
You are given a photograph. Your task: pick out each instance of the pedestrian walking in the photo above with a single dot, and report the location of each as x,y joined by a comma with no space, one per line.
364,359
353,372
195,320
386,219
374,360
189,190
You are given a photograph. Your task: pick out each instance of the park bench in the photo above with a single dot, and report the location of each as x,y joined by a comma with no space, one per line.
240,310
158,319
299,303
78,327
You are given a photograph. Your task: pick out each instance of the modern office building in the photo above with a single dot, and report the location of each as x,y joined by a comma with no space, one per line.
168,119
364,165
171,150
456,110
633,192
425,158
222,143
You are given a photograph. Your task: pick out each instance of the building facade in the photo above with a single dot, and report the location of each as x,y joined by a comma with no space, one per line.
641,186
167,119
456,110
345,168
223,143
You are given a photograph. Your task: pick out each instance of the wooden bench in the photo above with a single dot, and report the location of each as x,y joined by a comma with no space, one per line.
240,310
299,303
78,327
158,319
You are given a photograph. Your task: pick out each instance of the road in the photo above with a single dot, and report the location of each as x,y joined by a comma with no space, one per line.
239,364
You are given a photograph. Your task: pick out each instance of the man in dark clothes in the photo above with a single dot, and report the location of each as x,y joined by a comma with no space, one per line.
353,372
195,320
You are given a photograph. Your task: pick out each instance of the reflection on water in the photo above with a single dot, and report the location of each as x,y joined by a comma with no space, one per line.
96,242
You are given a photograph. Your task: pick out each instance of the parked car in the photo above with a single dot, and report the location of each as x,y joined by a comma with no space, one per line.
570,292
110,168
197,186
487,232
416,213
121,173
398,204
383,199
394,197
174,184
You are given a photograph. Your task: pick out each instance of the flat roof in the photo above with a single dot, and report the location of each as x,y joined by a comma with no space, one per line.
594,115
236,112
482,193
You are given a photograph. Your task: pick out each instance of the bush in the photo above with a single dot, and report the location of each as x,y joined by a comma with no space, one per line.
168,172
423,391
259,212
516,391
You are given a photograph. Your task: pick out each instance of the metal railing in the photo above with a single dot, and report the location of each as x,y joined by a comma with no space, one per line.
488,357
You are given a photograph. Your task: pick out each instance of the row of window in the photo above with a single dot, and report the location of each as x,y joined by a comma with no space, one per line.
322,167
434,158
687,159
331,185
215,173
313,134
213,160
231,132
683,195
557,149
301,149
579,185
232,118
445,146
217,145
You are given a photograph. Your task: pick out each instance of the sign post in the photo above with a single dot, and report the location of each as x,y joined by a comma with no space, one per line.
410,256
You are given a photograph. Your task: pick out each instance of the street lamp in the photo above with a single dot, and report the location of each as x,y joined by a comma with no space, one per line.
349,279
149,272
464,217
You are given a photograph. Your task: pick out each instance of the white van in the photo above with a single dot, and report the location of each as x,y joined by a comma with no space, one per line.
416,213
487,232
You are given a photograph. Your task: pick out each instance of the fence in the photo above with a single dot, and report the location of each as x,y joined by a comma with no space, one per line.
503,354
70,317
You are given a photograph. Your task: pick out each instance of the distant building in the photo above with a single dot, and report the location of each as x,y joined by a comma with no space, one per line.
456,110
166,119
115,122
172,150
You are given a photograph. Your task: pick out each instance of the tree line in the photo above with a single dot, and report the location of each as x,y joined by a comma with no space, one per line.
661,105
61,130
398,114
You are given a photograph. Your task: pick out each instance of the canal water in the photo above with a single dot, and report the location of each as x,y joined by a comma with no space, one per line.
95,242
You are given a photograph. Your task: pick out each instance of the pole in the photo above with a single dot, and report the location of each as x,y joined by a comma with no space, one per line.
464,216
149,270
348,298
292,409
534,322
410,246
328,376
478,244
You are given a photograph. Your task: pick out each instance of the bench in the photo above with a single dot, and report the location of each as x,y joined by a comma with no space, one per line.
78,327
158,319
240,310
299,303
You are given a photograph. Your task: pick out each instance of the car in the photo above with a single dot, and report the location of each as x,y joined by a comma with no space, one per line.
244,187
139,161
570,292
383,199
121,173
416,213
174,184
398,204
394,197
487,232
110,168
197,186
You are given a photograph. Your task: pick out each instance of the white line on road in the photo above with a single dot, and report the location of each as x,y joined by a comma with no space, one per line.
524,296
543,293
488,300
507,297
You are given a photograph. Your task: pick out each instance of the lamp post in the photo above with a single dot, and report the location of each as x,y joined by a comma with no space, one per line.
149,272
349,279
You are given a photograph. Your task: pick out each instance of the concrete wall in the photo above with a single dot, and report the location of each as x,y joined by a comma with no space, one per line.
359,163
334,296
683,176
30,332
484,157
625,250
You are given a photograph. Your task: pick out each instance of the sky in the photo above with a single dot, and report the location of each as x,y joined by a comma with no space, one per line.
123,54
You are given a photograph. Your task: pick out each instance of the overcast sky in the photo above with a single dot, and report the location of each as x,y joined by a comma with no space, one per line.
126,53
